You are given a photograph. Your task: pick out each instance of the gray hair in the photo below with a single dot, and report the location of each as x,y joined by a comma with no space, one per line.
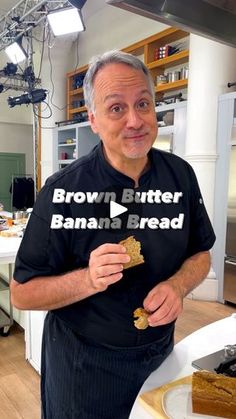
109,57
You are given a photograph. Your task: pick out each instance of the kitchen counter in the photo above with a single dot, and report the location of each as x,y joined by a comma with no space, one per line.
8,249
204,341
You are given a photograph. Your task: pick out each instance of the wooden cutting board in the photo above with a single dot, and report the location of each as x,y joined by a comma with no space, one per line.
152,400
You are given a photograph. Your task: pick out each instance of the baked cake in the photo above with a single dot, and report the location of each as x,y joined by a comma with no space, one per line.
214,394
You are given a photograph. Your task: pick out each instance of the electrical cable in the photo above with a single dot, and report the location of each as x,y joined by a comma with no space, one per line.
52,83
44,117
49,39
42,51
77,52
51,72
41,41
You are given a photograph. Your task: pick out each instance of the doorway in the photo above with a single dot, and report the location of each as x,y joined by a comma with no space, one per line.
10,164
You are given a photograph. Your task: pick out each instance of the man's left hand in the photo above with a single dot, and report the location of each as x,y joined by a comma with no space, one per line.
164,302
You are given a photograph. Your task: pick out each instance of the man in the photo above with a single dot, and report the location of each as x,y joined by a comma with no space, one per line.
94,360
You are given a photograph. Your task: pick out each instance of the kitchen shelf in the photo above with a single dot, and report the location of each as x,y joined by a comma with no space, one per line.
85,140
168,129
66,161
170,106
176,85
80,70
75,92
145,49
77,110
67,145
174,134
177,58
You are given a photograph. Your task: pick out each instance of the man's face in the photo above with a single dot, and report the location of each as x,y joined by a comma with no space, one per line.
124,114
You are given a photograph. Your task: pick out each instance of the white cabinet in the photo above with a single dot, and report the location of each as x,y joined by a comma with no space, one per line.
172,128
33,337
76,140
71,142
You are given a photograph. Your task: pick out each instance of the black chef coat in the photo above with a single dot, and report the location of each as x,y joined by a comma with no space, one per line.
107,317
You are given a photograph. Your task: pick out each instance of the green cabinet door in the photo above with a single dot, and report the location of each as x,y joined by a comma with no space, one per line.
10,164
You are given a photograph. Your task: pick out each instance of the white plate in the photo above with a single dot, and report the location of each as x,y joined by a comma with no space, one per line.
177,403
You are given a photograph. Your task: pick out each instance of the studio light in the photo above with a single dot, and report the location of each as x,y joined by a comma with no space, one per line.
16,53
34,96
65,21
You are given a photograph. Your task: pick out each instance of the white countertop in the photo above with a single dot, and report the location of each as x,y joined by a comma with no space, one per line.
6,214
8,249
204,341
8,245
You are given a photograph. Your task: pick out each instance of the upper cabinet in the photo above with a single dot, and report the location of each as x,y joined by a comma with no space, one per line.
166,54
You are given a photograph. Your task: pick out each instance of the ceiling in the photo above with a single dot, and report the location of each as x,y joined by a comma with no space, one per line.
215,19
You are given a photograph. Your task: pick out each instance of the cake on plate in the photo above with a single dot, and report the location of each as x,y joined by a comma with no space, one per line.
214,394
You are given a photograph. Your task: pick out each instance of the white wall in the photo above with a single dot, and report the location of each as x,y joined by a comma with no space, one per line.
18,138
112,28
18,114
62,62
16,130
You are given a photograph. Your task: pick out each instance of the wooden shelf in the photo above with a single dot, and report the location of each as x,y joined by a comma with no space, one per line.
167,36
146,50
167,87
78,71
78,91
77,110
178,58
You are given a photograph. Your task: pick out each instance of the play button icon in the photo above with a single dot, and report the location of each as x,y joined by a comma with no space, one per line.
116,209
113,213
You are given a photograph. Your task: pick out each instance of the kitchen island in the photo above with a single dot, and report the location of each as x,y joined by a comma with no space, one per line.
8,250
204,341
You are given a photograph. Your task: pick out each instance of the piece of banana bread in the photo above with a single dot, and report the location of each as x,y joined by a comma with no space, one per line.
133,248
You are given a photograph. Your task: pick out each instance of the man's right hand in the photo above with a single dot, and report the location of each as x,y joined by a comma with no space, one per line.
55,291
106,265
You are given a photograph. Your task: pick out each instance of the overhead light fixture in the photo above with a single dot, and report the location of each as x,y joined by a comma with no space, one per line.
66,21
16,53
